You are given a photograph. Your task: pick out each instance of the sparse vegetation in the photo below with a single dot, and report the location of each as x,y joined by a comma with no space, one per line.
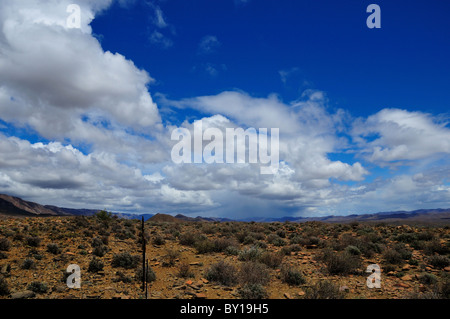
53,249
342,263
95,265
125,260
324,289
223,260
252,273
38,287
222,273
292,276
150,275
28,264
253,291
4,244
4,287
33,241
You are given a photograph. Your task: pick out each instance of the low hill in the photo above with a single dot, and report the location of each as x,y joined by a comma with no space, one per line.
17,207
162,218
14,206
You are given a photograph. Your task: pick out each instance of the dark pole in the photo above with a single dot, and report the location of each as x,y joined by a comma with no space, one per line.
146,284
143,257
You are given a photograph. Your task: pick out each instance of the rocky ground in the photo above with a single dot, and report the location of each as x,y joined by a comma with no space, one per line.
220,260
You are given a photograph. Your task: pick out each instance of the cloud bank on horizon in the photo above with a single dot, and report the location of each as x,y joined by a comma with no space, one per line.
79,127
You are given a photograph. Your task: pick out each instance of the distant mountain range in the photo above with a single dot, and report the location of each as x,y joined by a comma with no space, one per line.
17,207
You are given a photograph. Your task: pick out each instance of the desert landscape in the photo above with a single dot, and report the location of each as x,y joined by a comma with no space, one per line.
220,260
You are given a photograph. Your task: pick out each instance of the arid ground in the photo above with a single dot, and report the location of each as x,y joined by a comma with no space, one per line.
220,260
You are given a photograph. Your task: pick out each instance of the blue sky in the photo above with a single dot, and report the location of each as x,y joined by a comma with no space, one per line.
86,114
322,45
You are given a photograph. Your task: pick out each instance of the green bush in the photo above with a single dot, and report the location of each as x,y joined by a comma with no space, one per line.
28,264
392,256
250,254
428,279
53,249
232,251
253,291
171,256
4,289
254,273
121,277
353,250
151,276
222,273
292,276
38,287
95,265
125,260
33,241
5,245
184,270
100,251
324,289
188,238
435,247
271,259
158,240
439,261
340,263
103,216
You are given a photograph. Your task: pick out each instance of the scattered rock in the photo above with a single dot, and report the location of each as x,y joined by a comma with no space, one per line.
401,285
287,295
26,294
406,278
200,296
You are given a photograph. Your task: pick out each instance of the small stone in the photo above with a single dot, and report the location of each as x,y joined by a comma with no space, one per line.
287,295
60,288
447,268
406,278
23,294
200,296
344,288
